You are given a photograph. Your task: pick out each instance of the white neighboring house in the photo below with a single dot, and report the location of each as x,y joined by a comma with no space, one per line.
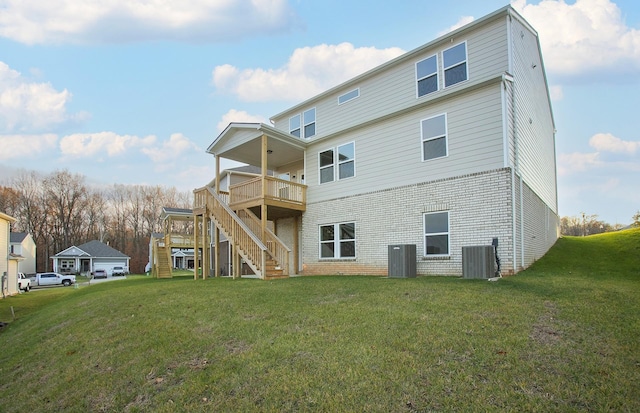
22,243
8,261
88,257
448,146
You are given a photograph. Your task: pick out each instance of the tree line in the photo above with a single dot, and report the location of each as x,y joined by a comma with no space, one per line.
60,210
585,224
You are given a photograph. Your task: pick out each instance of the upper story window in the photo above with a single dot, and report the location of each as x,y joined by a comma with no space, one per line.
455,64
348,96
303,126
436,233
294,125
309,118
434,137
344,163
427,75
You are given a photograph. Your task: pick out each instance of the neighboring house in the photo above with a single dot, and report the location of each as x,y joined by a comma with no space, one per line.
22,244
448,146
86,258
8,261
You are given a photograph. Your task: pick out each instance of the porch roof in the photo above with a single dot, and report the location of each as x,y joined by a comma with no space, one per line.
242,142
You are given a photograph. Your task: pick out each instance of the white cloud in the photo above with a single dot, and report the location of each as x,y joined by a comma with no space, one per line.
30,106
584,37
464,20
239,116
170,150
92,145
606,142
577,162
309,71
26,146
556,93
90,21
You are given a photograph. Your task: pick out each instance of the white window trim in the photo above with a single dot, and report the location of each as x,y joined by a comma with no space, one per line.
336,241
437,73
466,60
446,137
357,90
424,234
336,163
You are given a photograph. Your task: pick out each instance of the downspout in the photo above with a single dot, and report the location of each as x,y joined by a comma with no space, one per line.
515,147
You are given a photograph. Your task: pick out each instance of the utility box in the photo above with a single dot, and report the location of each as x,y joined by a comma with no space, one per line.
402,261
479,261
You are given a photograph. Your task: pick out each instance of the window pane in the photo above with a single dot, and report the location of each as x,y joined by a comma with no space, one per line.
438,222
345,152
426,67
348,231
309,116
454,55
326,250
294,122
296,132
427,85
326,174
434,127
437,244
348,96
326,158
435,148
455,75
327,233
346,170
347,249
309,130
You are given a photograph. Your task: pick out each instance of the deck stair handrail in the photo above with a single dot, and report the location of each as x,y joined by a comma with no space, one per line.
248,245
275,247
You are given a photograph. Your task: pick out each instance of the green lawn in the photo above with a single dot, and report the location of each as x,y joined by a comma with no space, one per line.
561,336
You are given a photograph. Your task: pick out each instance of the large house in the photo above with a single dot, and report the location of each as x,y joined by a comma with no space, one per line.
449,146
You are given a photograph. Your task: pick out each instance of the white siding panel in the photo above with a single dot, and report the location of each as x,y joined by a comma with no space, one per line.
388,153
534,134
394,89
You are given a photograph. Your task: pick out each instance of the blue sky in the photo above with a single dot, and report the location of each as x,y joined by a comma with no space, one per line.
133,91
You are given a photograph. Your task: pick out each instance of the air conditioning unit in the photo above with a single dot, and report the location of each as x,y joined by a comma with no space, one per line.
478,261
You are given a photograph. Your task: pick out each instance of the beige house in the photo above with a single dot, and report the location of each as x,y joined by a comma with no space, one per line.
448,147
8,260
22,243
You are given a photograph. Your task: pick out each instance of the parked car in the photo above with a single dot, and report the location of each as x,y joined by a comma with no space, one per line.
100,274
24,283
54,278
118,271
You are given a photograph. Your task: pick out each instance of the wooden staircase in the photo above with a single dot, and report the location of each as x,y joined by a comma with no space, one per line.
269,259
163,266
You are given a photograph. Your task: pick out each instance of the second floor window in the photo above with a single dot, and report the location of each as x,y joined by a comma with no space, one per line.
434,137
341,159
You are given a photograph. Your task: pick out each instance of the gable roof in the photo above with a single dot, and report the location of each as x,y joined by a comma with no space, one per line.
17,236
94,249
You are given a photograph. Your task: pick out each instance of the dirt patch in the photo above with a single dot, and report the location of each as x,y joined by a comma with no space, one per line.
236,346
546,330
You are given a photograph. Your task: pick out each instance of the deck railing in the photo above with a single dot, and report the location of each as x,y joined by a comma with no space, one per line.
275,189
276,248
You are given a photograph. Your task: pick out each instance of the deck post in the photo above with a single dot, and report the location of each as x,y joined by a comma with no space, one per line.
217,230
205,248
195,247
263,207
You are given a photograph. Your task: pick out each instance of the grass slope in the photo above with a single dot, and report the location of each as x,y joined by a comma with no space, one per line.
561,336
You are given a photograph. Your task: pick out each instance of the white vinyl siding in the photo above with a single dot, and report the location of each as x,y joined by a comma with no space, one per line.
391,156
394,89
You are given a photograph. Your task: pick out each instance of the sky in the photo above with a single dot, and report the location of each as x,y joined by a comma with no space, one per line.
134,91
